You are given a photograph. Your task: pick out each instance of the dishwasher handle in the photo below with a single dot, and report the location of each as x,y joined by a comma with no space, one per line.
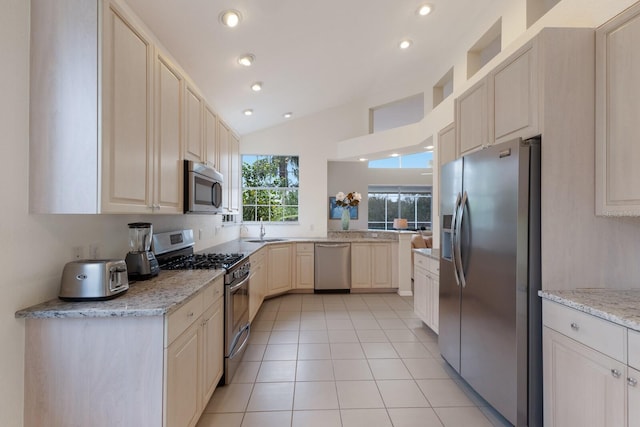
333,245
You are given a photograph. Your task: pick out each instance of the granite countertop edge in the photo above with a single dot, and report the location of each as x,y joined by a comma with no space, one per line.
433,253
621,307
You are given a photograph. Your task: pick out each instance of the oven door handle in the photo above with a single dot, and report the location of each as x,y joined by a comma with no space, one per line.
234,288
247,327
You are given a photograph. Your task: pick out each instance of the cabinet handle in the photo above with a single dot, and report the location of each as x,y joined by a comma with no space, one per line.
575,326
615,373
190,314
632,381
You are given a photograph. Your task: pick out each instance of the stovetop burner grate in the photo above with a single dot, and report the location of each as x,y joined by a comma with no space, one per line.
201,261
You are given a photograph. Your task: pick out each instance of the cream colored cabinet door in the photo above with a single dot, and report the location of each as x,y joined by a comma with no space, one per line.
447,144
127,142
234,172
381,265
305,266
420,289
360,265
617,112
183,379
224,162
433,290
210,137
279,271
167,165
257,283
212,349
471,109
515,96
194,141
633,397
582,387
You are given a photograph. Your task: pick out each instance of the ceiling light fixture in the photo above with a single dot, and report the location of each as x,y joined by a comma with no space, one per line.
248,112
429,147
405,44
246,60
425,9
230,18
256,87
394,155
362,159
287,115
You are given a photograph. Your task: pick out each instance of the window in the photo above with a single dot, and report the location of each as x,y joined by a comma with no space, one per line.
270,188
408,161
389,202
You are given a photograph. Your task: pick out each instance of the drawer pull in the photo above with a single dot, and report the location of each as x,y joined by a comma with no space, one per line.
615,373
575,326
632,381
190,314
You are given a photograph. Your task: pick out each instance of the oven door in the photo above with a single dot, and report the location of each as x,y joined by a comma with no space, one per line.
203,194
237,328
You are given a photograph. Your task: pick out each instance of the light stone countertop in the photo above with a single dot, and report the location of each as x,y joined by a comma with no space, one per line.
431,253
617,306
155,297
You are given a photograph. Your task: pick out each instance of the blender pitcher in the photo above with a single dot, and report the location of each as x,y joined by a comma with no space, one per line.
141,262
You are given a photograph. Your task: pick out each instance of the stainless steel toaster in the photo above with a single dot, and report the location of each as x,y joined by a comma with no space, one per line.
93,279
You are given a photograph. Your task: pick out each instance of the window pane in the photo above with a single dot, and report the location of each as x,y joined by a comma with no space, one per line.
291,213
275,214
249,197
262,213
248,213
392,207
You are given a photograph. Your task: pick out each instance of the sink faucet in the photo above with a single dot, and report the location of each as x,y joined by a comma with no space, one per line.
262,231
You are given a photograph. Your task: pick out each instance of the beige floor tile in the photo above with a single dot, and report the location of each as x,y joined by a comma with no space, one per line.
345,370
406,314
414,417
313,324
266,315
267,419
314,351
401,394
230,398
444,393
392,324
254,353
220,420
310,337
400,335
262,325
385,314
314,370
286,325
359,395
259,337
335,313
288,315
246,373
277,371
271,397
462,417
316,306
283,337
365,418
342,336
326,418
339,324
389,369
371,335
364,314
412,350
315,395
423,369
281,352
379,350
346,351
365,323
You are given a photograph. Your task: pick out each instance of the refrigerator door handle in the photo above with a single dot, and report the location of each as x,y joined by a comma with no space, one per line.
453,239
457,248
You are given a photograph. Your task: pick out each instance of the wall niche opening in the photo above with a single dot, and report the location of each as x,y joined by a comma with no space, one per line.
485,49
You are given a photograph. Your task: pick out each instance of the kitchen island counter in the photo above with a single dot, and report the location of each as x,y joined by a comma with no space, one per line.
618,306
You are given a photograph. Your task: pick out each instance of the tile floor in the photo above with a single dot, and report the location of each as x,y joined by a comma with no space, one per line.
340,360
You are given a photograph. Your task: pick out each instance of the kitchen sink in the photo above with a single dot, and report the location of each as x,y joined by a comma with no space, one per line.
265,240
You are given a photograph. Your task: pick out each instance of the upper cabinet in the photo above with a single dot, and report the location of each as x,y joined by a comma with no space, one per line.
471,119
111,116
617,112
229,166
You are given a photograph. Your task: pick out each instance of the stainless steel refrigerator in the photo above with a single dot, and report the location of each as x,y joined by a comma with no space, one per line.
490,313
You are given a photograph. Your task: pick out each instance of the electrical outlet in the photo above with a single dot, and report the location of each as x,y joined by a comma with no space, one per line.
78,252
94,251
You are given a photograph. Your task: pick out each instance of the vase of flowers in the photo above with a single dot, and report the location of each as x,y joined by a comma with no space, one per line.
346,201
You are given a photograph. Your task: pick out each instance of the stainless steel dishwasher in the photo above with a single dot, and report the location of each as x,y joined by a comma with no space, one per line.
332,267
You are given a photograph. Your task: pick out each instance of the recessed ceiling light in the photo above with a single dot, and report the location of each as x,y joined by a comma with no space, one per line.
362,159
429,147
287,115
425,9
246,60
405,44
248,112
230,18
256,87
394,155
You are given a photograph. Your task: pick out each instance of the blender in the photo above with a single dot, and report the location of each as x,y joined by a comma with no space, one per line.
141,262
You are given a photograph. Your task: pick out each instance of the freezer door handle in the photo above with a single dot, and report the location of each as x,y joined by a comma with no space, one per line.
453,239
457,251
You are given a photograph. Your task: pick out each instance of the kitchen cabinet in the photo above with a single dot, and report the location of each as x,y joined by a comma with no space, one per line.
210,137
426,290
585,375
234,172
279,268
371,265
617,111
212,348
257,282
447,144
472,127
194,105
305,263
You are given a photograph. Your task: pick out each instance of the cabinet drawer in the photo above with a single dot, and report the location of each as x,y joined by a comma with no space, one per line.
182,318
421,260
304,247
634,348
213,292
257,257
599,334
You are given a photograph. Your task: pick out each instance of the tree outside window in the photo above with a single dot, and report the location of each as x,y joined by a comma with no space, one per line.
412,203
270,188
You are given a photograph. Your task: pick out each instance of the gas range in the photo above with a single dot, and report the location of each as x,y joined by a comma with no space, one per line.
201,261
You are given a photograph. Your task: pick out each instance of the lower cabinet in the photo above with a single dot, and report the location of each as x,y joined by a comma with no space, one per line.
587,380
279,268
305,266
371,265
426,290
257,282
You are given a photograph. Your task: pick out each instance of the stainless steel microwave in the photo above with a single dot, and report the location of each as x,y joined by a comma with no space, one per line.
202,188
